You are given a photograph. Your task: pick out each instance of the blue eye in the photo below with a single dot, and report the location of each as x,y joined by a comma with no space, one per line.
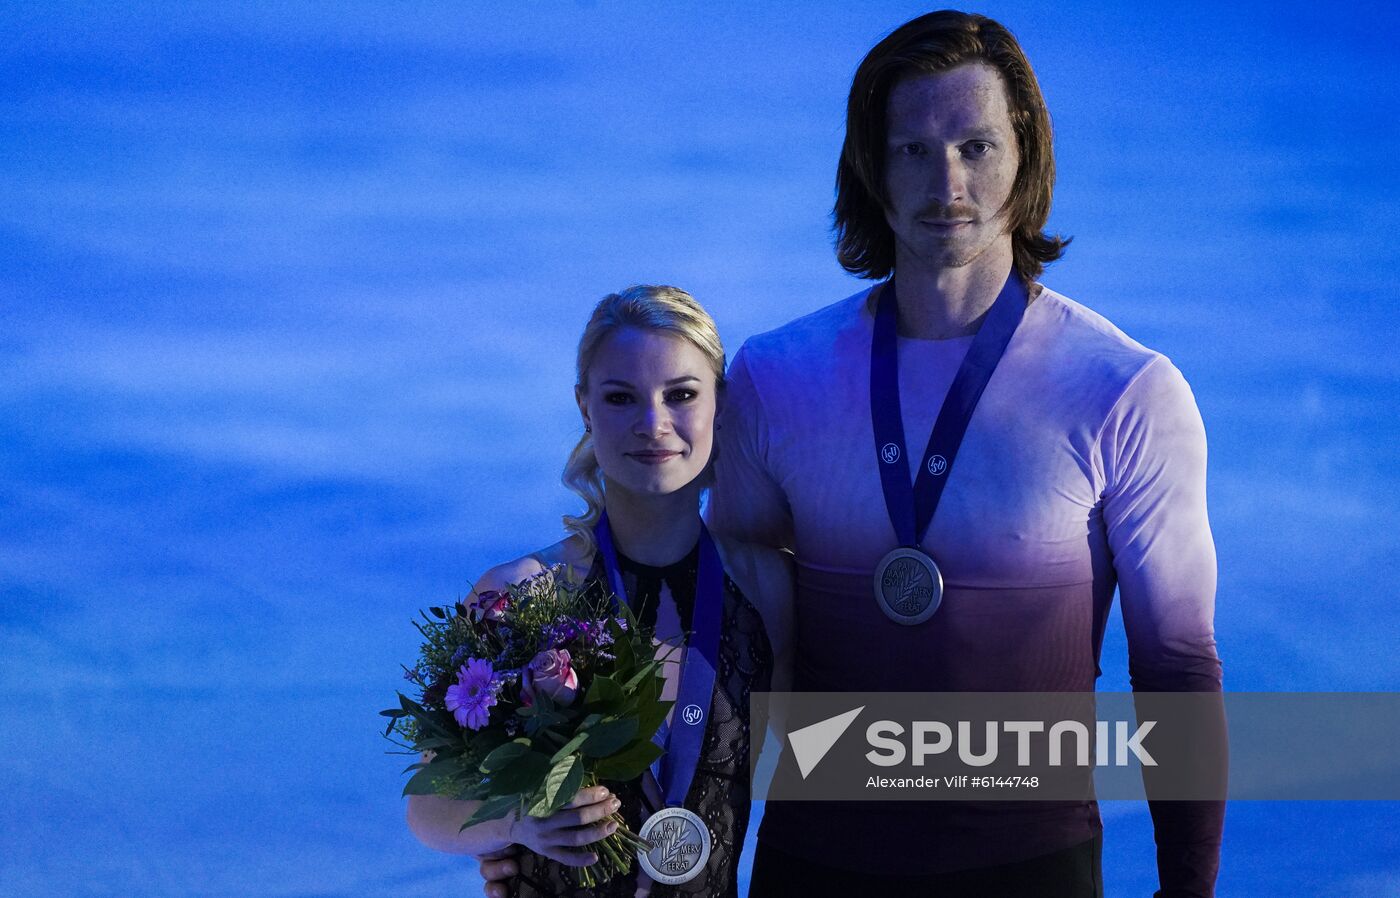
617,398
911,149
978,148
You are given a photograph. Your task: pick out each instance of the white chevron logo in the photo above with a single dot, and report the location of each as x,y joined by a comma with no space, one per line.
811,743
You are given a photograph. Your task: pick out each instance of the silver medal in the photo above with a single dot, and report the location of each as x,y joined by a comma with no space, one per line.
680,846
908,586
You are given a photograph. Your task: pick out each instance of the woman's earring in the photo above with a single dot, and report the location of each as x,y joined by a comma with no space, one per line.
588,428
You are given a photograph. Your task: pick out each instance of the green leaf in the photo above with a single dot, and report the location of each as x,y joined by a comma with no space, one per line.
424,782
541,720
524,775
609,736
438,722
560,786
476,791
539,711
650,717
504,755
649,690
433,743
629,763
493,809
651,668
484,742
604,691
569,747
645,696
622,647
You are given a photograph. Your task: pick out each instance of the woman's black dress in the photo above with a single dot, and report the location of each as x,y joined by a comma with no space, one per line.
719,793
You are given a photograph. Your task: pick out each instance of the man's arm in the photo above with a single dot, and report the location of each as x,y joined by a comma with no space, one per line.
746,503
1154,455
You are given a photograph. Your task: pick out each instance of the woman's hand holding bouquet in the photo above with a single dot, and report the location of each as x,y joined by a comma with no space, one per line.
530,699
564,835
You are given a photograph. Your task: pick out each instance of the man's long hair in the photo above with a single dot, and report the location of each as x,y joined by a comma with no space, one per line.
929,45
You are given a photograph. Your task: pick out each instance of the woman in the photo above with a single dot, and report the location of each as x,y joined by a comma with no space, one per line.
650,383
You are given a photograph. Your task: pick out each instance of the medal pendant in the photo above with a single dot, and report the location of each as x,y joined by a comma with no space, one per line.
680,846
908,586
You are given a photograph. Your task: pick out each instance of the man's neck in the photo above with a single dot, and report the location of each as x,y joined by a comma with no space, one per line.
651,529
942,303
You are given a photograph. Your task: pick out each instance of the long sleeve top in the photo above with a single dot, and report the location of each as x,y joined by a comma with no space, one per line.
1082,470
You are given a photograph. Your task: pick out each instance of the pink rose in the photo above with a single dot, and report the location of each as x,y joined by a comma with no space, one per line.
549,673
491,605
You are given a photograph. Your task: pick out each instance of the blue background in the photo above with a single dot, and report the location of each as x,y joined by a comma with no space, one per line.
288,301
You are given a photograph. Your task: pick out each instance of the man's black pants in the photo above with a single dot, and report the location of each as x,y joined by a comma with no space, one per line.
1075,872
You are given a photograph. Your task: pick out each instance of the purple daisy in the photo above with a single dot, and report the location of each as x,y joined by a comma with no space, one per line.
471,699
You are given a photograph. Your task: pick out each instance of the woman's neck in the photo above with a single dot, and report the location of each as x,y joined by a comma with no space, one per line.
654,530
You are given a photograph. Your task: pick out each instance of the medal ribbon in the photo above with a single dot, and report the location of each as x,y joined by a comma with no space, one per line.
683,739
911,507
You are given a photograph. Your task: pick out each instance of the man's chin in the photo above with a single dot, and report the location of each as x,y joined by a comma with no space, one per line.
944,257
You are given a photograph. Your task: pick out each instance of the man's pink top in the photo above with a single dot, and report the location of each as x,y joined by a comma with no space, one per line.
1083,469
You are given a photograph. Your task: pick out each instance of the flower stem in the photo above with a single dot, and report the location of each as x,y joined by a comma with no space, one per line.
614,856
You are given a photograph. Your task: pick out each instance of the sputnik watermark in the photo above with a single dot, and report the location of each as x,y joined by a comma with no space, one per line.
966,746
928,738
811,743
889,751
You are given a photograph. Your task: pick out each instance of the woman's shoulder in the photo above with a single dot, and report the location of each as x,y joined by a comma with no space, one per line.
569,552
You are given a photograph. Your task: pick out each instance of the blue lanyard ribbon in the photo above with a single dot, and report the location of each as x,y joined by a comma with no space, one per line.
911,507
685,737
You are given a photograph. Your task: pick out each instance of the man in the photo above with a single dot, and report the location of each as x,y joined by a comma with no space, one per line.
1080,468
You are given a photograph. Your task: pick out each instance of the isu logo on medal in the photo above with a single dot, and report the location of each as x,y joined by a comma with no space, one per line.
937,464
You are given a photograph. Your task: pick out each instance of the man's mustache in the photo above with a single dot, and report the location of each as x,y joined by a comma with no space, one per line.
947,213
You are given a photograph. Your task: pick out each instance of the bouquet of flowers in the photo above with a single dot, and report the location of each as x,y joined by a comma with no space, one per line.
527,696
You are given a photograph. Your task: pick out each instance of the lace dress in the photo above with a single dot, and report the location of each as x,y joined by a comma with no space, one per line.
719,793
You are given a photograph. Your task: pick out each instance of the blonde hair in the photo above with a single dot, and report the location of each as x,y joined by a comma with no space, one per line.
644,307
